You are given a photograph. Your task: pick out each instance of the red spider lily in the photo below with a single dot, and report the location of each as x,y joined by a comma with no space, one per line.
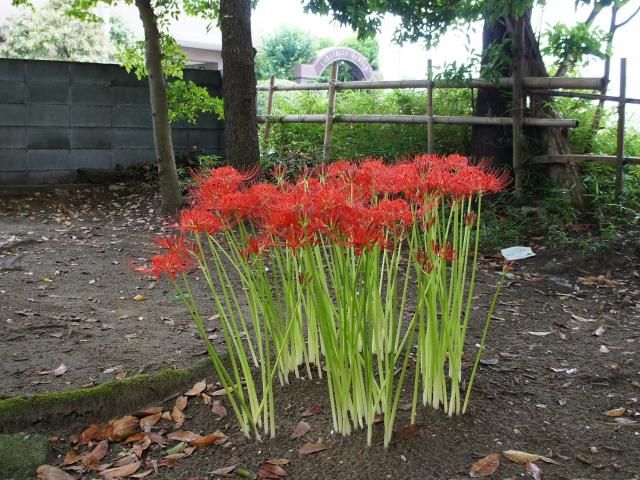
392,213
170,263
237,205
445,251
176,243
199,220
257,246
279,172
424,261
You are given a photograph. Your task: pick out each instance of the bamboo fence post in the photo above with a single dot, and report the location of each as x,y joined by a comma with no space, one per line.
267,123
516,106
328,126
430,107
620,139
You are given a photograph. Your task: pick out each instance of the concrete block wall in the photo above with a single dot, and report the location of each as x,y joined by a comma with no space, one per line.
58,117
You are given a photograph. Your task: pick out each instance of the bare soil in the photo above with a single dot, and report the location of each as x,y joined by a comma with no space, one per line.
563,350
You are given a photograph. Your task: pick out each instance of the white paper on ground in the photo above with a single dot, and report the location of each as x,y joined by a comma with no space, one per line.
517,253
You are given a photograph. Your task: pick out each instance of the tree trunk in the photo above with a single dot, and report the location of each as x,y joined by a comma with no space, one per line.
167,175
239,85
493,142
496,143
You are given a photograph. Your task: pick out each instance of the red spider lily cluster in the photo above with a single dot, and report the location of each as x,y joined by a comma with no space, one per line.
359,205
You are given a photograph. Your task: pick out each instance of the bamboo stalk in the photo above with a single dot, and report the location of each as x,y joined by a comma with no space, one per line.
430,107
528,82
587,96
516,106
267,123
328,126
575,158
620,137
422,119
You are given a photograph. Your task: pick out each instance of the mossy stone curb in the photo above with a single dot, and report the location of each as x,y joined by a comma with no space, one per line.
101,402
21,454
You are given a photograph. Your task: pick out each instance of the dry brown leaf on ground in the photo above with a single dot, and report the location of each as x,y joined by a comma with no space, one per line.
271,471
218,409
182,436
598,332
142,474
128,460
206,399
223,472
97,454
407,432
523,457
157,438
314,409
533,470
625,421
310,447
197,389
216,437
123,427
149,421
278,461
95,431
47,472
301,428
177,416
61,370
181,402
139,447
485,466
71,457
121,472
139,298
145,412
616,412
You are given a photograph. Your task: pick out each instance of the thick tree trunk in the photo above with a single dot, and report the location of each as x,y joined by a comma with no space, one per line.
239,85
167,174
496,143
489,142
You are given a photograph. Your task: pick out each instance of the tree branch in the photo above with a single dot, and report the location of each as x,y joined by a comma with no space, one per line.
622,24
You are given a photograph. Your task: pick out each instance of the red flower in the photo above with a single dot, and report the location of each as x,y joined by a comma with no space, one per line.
445,251
198,220
169,263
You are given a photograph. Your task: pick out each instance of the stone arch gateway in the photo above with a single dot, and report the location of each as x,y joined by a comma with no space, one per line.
362,69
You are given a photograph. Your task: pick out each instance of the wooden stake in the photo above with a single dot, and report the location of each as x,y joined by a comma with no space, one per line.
430,107
328,126
620,139
267,123
516,106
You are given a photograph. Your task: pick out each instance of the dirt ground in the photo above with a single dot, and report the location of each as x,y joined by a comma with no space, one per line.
563,350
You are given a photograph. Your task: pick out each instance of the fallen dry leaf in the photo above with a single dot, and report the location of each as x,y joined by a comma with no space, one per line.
625,421
523,457
156,438
61,370
124,427
128,460
147,422
533,470
209,439
578,318
218,409
139,298
177,416
224,471
197,389
407,432
95,431
120,472
166,415
314,409
182,436
540,334
616,412
147,411
97,454
181,402
47,472
221,393
206,399
278,461
301,428
272,471
598,332
485,466
310,447
136,437
71,457
139,447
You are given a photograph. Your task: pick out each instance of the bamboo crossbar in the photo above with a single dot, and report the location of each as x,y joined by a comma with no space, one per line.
420,119
575,158
586,96
528,82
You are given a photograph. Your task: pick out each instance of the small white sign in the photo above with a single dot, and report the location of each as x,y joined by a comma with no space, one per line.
517,253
